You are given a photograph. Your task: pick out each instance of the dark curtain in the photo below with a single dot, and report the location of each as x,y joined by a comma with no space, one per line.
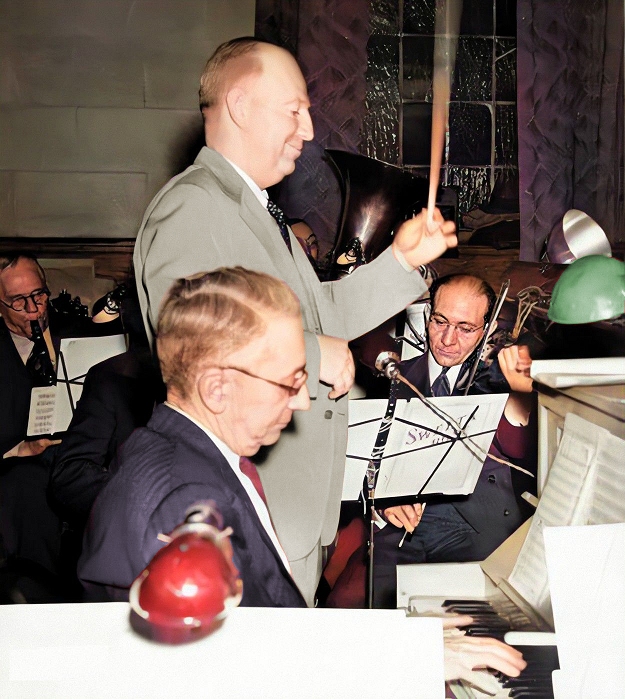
329,39
570,116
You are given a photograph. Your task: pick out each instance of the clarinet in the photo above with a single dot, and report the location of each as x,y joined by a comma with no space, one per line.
39,360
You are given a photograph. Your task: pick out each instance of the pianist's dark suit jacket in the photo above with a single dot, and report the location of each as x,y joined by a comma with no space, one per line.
163,469
495,508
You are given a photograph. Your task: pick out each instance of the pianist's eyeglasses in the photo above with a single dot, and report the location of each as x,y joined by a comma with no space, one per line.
292,390
19,303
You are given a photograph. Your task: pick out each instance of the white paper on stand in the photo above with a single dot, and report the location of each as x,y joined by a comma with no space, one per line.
584,486
423,454
52,407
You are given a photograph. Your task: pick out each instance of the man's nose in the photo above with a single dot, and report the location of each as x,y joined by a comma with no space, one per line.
301,400
305,130
31,306
449,335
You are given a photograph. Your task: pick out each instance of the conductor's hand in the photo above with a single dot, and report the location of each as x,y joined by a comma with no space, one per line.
515,363
406,516
337,365
464,655
420,244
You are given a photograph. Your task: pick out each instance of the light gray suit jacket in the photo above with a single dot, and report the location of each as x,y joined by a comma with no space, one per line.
207,217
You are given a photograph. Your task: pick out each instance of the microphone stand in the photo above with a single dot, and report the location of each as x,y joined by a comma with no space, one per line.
386,364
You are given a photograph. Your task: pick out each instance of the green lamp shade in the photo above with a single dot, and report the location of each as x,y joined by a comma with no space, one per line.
590,289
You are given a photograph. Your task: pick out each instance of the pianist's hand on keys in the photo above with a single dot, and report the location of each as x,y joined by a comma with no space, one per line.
466,654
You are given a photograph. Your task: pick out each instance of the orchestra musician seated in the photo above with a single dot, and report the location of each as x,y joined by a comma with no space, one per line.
465,528
30,334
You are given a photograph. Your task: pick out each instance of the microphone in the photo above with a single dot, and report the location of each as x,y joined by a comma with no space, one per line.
387,363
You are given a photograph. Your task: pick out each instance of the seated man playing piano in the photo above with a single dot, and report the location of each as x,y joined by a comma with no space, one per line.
467,528
231,347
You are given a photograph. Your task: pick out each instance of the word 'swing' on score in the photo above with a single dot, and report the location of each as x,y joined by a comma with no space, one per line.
424,453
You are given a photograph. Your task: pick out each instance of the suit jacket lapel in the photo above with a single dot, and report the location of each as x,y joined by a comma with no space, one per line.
294,270
181,425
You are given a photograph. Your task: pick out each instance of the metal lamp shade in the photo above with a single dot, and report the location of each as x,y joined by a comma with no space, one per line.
576,236
590,289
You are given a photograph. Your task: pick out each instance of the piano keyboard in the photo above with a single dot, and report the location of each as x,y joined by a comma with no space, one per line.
502,620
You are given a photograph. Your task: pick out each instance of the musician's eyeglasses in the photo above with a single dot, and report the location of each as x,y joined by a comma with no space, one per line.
440,324
19,303
292,389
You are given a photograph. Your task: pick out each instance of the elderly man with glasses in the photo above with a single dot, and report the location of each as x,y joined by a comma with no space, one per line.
231,349
469,528
30,332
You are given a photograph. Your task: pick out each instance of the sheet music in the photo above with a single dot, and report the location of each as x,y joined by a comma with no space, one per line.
578,486
424,454
52,407
42,410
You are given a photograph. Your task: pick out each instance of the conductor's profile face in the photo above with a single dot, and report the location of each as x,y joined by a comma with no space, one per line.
456,325
281,121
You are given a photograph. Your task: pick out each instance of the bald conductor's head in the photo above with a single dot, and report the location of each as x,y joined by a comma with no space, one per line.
255,106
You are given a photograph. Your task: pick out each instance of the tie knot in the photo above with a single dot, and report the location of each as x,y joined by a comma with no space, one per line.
276,212
441,386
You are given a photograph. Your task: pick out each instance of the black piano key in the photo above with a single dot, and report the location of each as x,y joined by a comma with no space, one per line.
476,602
469,608
535,681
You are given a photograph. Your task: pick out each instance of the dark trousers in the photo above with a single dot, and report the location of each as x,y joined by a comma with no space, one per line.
29,529
443,535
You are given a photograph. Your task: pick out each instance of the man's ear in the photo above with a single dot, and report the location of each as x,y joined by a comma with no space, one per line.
212,389
237,103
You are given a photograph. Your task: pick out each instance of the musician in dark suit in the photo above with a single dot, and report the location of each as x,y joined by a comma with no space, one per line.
232,354
255,106
119,395
467,528
29,530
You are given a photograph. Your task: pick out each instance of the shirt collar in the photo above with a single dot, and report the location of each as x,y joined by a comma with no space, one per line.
434,370
260,194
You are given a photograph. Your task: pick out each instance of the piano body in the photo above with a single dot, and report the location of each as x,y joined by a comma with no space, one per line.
582,484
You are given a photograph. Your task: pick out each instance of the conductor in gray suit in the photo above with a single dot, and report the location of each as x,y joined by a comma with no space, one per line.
216,213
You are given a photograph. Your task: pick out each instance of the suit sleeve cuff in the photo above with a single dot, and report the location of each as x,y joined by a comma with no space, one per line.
399,256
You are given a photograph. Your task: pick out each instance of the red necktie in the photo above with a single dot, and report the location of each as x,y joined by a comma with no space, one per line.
249,469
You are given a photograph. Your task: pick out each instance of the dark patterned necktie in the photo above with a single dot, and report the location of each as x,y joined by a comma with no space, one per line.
249,469
280,218
39,364
440,387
